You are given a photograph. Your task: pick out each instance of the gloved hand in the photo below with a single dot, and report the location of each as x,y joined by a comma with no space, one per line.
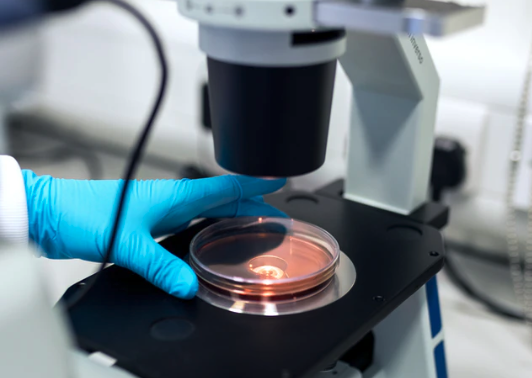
72,219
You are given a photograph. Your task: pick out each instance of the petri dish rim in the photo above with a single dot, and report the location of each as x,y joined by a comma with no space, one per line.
343,281
332,264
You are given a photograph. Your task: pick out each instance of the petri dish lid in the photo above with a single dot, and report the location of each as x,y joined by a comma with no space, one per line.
260,258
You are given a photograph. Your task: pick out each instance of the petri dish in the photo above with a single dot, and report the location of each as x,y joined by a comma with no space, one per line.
264,259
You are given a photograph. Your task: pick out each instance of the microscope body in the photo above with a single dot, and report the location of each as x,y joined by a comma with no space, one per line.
271,72
261,128
271,67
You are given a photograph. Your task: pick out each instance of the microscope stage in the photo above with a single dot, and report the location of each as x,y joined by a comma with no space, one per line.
154,335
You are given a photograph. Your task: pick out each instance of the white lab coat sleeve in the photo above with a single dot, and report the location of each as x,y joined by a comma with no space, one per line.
13,205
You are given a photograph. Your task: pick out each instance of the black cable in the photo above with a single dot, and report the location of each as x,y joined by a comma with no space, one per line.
139,147
479,296
62,5
466,287
492,258
437,194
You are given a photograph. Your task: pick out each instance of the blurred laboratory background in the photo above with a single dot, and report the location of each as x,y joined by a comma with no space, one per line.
98,82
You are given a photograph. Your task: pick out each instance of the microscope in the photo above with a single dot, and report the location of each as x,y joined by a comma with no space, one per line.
271,68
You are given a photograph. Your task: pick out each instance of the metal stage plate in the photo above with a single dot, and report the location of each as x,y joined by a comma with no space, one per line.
154,335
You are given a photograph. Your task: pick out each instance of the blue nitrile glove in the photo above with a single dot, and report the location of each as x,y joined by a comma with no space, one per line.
72,219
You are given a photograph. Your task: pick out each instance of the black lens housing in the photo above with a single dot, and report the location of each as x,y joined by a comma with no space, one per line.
270,121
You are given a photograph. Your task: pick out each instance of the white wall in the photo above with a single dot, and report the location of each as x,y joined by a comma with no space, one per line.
101,76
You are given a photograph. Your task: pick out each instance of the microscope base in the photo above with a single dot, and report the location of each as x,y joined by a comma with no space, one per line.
154,335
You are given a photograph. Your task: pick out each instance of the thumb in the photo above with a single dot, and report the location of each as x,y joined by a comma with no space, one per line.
245,208
190,198
159,267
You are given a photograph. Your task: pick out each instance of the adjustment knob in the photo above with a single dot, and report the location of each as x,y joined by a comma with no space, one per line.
448,166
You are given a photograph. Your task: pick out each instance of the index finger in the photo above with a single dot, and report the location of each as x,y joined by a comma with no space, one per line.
194,197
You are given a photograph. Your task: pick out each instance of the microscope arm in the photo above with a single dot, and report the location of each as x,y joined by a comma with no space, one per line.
395,95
